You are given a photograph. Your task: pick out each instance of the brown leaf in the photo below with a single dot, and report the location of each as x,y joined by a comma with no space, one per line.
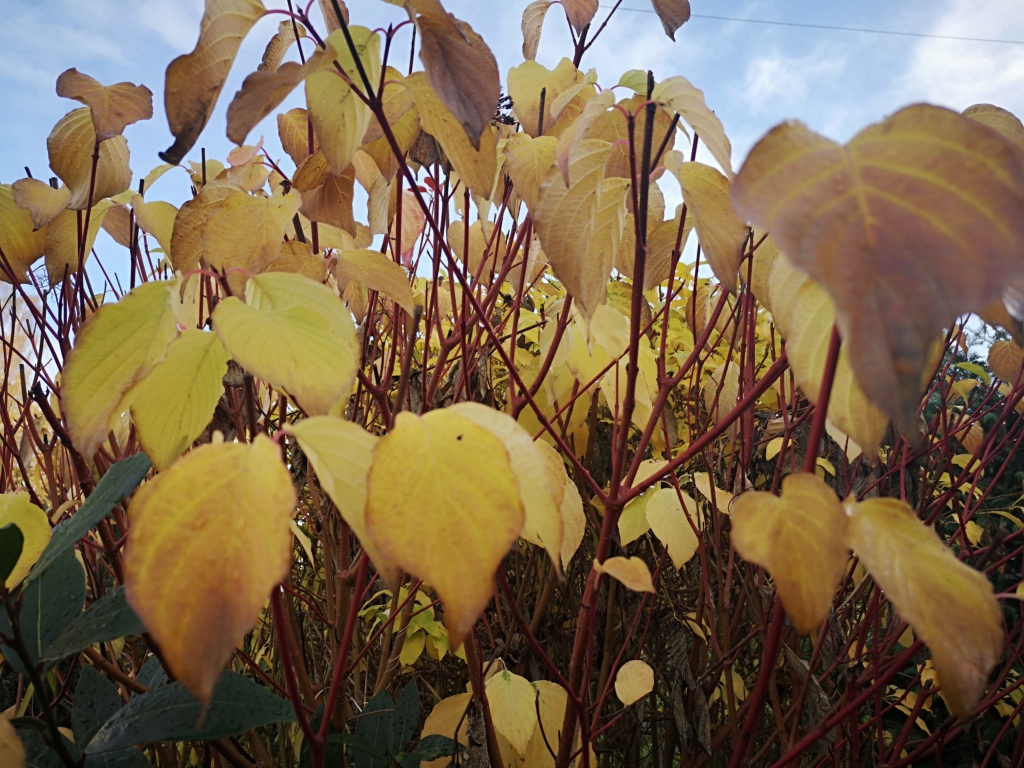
1004,360
533,23
118,224
279,44
949,604
673,14
926,192
461,69
800,538
41,200
331,203
580,12
194,81
70,146
999,119
262,91
113,107
330,17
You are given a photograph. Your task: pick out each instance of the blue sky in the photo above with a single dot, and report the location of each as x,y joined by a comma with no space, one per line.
753,75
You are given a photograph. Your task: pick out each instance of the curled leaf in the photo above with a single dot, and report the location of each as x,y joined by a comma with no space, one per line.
112,107
262,91
194,81
21,243
533,23
42,201
70,146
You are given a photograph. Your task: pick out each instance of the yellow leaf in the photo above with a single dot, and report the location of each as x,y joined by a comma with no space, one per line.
476,167
279,44
525,83
341,454
800,538
633,521
679,94
210,539
721,232
538,487
156,219
297,257
339,117
292,130
843,214
412,648
804,315
949,604
186,237
635,679
1004,359
20,242
632,572
773,448
404,119
378,273
596,107
70,147
35,529
527,162
447,715
670,524
174,403
113,107
294,334
570,504
41,200
580,226
999,119
483,242
440,484
118,346
265,89
661,243
246,232
62,241
194,81
12,752
513,703
533,22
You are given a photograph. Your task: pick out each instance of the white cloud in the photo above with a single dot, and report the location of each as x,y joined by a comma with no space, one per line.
777,79
956,73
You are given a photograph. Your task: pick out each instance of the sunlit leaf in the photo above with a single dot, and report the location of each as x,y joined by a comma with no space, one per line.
113,107
194,81
527,162
41,200
440,484
924,192
341,454
186,236
525,84
949,604
62,241
70,147
634,680
199,594
156,219
119,345
631,572
800,538
35,530
679,94
21,243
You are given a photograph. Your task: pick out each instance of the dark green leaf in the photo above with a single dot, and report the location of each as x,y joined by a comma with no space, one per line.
29,723
375,727
406,717
38,752
152,675
121,479
49,604
11,542
170,713
108,618
96,701
125,758
429,748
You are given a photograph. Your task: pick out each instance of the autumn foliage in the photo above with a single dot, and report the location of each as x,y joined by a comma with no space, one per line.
430,441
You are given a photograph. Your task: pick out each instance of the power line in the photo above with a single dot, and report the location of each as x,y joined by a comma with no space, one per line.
830,27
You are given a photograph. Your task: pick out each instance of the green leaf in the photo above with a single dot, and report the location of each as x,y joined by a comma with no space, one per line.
170,713
108,618
406,716
376,727
429,748
48,605
96,701
121,479
977,370
152,675
38,753
125,758
11,542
